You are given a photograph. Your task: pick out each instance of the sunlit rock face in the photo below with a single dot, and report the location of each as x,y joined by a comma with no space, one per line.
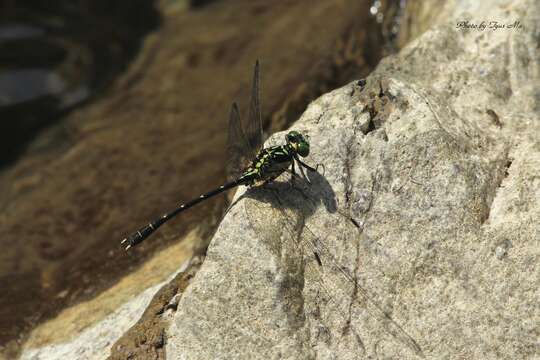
420,238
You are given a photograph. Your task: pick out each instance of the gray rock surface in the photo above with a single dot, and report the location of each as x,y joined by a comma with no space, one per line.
95,342
421,238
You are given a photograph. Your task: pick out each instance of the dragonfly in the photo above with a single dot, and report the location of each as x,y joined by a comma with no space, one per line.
244,143
253,166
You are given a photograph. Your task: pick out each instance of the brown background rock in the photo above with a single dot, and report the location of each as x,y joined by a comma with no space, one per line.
157,137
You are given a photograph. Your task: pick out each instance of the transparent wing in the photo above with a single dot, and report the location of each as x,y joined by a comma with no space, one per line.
303,236
325,257
245,138
253,128
238,148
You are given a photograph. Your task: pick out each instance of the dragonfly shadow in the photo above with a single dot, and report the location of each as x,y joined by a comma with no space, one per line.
285,208
302,195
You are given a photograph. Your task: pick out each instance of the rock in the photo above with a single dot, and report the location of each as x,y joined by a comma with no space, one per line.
418,239
401,249
138,148
90,329
146,339
95,341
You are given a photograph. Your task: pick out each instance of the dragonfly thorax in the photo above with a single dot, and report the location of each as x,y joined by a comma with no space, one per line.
272,161
269,164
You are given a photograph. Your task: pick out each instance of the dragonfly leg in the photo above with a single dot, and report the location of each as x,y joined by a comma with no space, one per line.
316,169
293,173
305,165
303,173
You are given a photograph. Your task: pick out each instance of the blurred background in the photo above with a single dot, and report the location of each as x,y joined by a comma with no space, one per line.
112,112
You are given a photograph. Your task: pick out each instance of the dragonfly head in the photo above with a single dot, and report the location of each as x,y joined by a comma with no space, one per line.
298,142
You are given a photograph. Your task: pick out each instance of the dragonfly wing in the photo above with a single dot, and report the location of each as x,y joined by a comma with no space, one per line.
253,128
304,237
238,148
245,138
321,251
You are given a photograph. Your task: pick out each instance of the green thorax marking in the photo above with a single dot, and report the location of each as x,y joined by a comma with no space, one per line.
272,155
269,163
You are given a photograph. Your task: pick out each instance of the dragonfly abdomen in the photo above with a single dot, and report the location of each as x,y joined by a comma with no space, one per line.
144,232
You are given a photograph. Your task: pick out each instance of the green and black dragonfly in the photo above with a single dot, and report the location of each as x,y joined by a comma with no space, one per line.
244,144
249,165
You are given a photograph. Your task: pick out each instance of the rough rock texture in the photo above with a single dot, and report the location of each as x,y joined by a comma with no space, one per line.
146,339
94,342
139,148
421,238
89,329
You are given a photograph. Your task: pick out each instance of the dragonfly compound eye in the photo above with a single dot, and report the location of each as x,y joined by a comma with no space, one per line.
303,148
292,136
